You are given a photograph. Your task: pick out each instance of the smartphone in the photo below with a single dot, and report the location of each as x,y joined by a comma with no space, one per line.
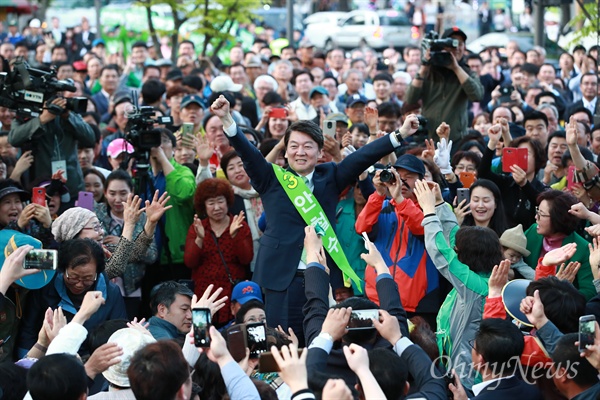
86,200
201,323
463,194
329,128
571,177
41,259
236,342
38,196
256,339
587,331
362,319
514,156
187,135
505,92
467,178
266,362
367,240
278,112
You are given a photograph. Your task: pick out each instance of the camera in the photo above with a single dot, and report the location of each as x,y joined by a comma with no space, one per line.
387,175
505,92
438,56
26,90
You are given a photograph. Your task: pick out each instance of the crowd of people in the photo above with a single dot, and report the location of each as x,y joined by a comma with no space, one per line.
453,195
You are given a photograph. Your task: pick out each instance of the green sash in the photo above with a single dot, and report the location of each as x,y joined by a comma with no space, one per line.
312,213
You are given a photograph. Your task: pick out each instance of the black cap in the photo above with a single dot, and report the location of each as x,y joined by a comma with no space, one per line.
411,163
174,74
13,189
455,30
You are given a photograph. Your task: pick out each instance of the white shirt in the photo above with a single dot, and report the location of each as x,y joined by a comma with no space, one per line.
478,388
590,105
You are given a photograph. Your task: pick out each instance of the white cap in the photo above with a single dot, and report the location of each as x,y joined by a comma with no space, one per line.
35,23
224,83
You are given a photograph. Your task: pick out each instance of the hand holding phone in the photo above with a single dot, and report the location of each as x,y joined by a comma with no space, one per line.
362,319
329,128
201,323
86,200
514,156
38,196
41,259
236,342
256,336
278,112
587,331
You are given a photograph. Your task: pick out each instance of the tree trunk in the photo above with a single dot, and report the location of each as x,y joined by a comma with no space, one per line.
97,7
153,34
41,11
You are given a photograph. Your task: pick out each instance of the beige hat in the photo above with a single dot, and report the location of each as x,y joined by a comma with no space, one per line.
130,340
514,238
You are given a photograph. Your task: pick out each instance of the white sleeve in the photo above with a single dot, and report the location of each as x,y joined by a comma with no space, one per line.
68,340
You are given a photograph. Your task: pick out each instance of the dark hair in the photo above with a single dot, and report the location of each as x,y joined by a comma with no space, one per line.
208,376
57,377
13,381
558,134
298,72
583,110
99,174
389,109
167,133
566,355
76,252
500,343
383,76
59,47
157,371
478,248
101,333
271,98
187,42
560,203
265,391
247,306
498,221
108,67
193,81
538,150
361,127
209,189
119,175
563,303
153,91
165,293
267,145
225,159
307,127
177,90
96,118
139,44
434,170
467,155
534,115
422,335
390,371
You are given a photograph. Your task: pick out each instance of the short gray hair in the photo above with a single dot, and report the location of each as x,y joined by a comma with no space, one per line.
268,79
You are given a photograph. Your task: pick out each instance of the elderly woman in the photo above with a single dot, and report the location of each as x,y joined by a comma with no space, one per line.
81,265
81,223
218,248
555,227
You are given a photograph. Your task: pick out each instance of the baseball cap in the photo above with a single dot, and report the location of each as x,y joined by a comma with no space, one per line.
224,83
338,117
254,62
35,23
356,98
512,294
455,30
174,74
118,146
98,42
80,66
318,89
191,98
12,22
306,44
410,163
246,291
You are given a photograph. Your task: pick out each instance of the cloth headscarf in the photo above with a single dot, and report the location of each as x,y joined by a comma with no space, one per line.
70,223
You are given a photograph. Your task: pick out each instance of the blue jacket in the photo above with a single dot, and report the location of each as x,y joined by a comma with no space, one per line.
162,329
55,295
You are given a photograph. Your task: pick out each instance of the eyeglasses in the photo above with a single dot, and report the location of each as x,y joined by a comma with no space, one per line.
85,281
472,344
539,214
97,227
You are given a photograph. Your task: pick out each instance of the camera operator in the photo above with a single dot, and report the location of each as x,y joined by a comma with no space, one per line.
446,90
53,139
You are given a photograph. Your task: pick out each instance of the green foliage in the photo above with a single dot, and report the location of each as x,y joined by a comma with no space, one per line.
209,23
588,27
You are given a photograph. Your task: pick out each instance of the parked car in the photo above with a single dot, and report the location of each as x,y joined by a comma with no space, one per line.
317,23
375,29
523,39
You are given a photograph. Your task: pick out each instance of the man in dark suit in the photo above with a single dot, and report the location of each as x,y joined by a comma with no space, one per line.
109,81
84,39
496,353
589,91
279,269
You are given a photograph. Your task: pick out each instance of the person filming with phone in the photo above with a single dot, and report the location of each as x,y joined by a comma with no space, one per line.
53,139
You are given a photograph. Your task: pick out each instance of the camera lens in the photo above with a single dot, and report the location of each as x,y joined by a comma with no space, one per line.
387,176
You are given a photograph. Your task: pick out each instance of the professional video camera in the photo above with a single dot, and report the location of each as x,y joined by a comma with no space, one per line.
140,131
439,57
26,90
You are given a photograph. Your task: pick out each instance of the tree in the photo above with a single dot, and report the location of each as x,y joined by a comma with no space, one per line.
583,28
212,19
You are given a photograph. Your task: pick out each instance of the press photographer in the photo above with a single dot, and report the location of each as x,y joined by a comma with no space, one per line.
445,84
51,131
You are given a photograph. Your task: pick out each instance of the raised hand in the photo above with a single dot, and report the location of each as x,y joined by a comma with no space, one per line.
236,224
374,258
357,358
494,134
580,211
198,227
569,272
140,325
425,196
498,278
371,119
410,126
429,152
442,155
54,321
12,268
292,368
519,176
92,301
156,209
560,255
533,309
336,389
290,334
26,215
443,131
220,107
571,132
461,211
131,209
210,300
336,322
103,358
388,327
204,150
594,248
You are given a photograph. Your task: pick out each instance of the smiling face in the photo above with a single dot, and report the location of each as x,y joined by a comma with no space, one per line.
556,149
483,205
11,207
80,279
302,153
92,230
542,217
93,184
237,174
116,195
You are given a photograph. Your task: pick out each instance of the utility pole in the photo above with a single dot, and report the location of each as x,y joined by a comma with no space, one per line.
290,21
538,37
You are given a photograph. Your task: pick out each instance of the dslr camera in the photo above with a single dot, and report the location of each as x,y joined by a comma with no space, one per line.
439,57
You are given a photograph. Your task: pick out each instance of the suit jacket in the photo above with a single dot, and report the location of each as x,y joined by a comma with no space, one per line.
578,104
509,388
87,44
101,103
282,242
